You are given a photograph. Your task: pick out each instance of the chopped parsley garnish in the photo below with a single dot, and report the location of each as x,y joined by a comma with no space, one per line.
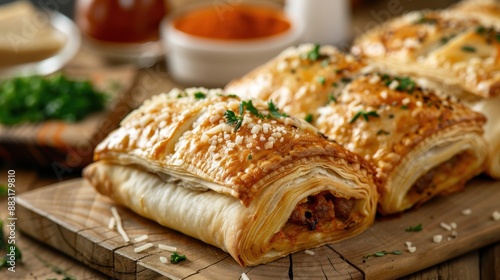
365,115
321,80
232,95
313,54
335,85
415,228
181,94
331,98
489,33
199,95
346,80
404,83
17,253
382,132
233,119
404,107
467,48
249,106
274,112
446,39
426,20
175,258
308,118
382,253
250,157
35,99
325,62
391,116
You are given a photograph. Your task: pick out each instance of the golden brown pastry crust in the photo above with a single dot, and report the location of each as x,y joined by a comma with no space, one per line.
458,52
176,133
297,83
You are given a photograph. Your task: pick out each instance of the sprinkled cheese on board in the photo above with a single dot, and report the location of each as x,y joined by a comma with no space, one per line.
437,238
167,248
141,238
111,223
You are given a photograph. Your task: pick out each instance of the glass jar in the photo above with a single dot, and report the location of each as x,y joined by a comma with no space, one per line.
122,29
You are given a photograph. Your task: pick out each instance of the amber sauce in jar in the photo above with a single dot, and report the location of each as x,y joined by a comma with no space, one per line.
241,22
121,21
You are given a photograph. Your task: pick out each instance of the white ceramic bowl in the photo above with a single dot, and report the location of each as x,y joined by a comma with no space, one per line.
197,61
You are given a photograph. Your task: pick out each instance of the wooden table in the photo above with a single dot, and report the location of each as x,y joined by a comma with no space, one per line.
43,262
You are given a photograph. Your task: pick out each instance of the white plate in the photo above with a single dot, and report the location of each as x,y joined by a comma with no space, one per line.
58,60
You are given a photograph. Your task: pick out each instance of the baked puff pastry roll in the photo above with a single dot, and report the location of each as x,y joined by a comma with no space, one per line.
300,79
421,145
455,53
239,175
490,108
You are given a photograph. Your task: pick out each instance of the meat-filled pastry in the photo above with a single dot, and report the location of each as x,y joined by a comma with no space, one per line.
300,79
457,49
421,145
487,12
239,175
456,53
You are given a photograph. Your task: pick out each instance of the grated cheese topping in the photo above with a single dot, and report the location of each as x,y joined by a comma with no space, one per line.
119,226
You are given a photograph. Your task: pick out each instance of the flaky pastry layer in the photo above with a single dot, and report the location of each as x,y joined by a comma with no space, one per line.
239,175
408,134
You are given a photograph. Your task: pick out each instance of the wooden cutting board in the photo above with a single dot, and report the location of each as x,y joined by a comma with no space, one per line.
71,217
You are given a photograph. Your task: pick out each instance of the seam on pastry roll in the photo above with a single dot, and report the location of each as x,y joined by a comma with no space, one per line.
445,46
300,79
260,200
393,123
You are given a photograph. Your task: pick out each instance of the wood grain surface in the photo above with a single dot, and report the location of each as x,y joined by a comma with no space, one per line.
71,217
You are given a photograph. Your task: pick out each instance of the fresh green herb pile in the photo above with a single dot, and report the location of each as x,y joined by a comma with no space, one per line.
3,246
35,99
